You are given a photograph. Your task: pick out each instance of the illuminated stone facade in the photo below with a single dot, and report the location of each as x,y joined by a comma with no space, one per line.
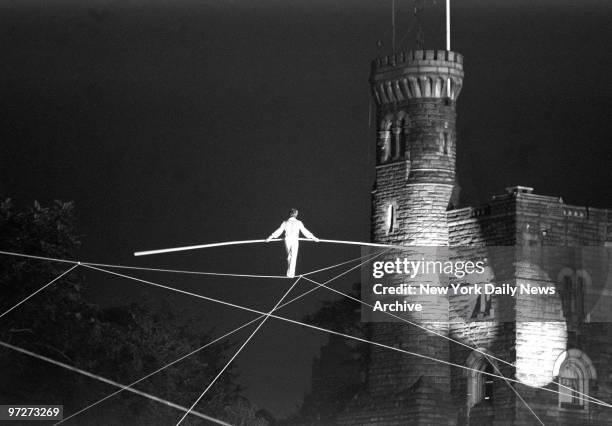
564,339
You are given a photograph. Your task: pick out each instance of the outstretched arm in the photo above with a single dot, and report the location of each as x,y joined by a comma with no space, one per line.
307,233
276,233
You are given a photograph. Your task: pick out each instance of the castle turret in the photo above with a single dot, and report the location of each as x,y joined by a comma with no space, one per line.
415,94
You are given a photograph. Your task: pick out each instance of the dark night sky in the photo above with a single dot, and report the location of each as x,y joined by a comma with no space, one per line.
179,122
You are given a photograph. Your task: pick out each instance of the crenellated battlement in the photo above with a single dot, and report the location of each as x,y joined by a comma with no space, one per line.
417,74
417,56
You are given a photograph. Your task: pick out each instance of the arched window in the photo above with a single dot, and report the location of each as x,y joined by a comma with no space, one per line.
480,383
396,149
384,140
487,388
575,375
572,384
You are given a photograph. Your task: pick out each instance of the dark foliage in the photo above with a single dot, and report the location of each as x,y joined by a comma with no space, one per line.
121,343
338,374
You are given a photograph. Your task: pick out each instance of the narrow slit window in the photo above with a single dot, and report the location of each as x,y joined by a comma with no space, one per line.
446,143
487,394
391,218
482,308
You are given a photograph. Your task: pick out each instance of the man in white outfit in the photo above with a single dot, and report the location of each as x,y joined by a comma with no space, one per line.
292,228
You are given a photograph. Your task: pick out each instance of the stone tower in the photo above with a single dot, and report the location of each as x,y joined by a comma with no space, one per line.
415,94
554,346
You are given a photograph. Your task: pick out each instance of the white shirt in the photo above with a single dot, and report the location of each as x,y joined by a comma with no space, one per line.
292,228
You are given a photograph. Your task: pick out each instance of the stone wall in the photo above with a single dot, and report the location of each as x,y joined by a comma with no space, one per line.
415,95
548,237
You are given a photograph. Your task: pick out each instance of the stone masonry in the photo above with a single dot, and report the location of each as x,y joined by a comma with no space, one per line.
564,339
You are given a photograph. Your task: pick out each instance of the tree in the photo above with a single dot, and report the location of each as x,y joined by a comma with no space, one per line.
44,325
122,343
338,374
